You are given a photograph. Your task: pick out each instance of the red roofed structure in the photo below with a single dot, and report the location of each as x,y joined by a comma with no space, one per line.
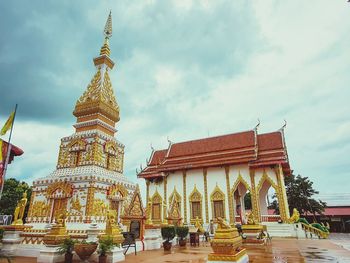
208,178
256,150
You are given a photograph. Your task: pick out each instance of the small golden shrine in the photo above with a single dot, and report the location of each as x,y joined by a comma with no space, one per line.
227,244
112,229
135,215
58,232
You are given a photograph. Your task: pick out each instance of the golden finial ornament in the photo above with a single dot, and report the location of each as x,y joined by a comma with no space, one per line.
105,50
108,27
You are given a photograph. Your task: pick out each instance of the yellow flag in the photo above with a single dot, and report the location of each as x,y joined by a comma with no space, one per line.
8,124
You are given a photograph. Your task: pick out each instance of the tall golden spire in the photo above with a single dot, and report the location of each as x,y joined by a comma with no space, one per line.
97,108
105,50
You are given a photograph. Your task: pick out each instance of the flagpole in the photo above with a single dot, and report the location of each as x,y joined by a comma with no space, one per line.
7,154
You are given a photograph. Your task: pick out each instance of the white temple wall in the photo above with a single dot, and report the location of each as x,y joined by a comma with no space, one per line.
175,180
217,176
194,177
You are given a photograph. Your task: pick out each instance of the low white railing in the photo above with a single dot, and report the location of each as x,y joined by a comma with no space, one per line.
270,218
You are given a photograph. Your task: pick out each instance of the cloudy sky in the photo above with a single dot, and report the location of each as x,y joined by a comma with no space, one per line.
185,70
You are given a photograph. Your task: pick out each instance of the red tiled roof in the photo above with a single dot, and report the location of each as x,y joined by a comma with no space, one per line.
245,147
158,157
15,151
337,211
213,144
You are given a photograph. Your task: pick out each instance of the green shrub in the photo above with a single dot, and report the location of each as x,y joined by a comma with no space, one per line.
168,232
182,232
105,245
66,246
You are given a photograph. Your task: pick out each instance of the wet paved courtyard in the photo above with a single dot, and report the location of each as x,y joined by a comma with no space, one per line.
335,249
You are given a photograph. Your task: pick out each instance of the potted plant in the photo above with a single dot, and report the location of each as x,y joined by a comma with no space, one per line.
105,245
84,249
168,233
182,232
66,248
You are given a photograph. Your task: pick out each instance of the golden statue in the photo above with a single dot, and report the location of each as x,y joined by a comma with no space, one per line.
222,224
19,211
295,217
227,244
58,232
112,229
250,219
61,219
111,223
198,225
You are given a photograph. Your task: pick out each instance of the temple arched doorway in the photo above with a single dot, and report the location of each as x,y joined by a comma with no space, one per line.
241,201
267,198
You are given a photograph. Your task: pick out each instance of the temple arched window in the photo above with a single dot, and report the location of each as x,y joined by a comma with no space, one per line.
156,207
217,199
111,155
76,147
195,199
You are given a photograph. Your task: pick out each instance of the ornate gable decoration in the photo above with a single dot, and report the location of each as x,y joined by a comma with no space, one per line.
111,148
117,192
264,178
217,194
59,190
77,145
175,196
195,195
99,97
135,208
156,198
240,180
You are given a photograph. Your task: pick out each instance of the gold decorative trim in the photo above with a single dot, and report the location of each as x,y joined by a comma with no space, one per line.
90,200
196,196
217,195
206,195
157,199
65,187
229,196
254,196
165,207
282,197
185,197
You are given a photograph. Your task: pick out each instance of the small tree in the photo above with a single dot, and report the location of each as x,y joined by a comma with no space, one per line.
12,193
299,191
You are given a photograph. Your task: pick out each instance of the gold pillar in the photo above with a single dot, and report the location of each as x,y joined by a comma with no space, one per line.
254,196
281,194
206,196
184,194
32,197
90,199
165,200
147,191
229,196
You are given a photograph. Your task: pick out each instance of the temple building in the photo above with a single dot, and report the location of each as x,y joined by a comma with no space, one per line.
88,179
208,178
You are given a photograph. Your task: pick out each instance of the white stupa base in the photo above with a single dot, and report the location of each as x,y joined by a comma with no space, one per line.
116,255
10,242
50,255
153,239
244,259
